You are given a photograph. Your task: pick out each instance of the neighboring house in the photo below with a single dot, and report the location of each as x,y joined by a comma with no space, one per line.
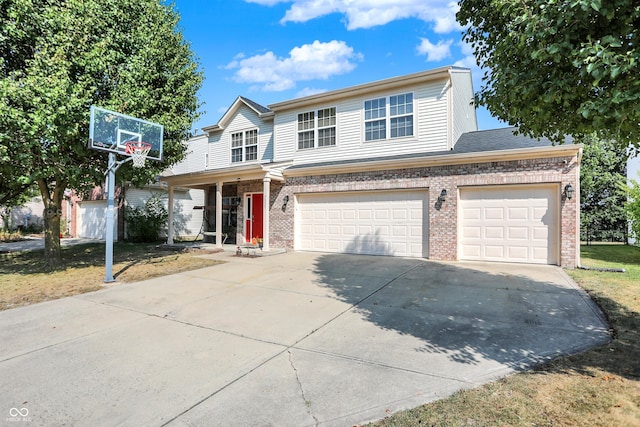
29,216
393,167
633,172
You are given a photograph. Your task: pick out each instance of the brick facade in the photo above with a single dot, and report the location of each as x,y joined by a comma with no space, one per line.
443,217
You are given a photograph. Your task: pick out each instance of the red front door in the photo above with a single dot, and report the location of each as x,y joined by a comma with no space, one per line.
253,220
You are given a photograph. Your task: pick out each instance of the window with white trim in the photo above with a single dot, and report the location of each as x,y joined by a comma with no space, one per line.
388,117
317,128
244,146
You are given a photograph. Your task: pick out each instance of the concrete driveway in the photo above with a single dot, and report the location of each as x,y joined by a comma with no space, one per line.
298,339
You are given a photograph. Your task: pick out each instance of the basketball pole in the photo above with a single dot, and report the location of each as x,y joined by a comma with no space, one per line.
111,195
111,186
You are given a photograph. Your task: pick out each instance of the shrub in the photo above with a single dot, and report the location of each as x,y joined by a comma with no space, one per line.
145,224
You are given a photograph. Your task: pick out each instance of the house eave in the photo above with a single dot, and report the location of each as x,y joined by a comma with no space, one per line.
437,160
257,171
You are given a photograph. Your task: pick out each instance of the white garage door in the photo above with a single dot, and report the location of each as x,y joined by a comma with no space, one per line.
374,223
91,216
514,224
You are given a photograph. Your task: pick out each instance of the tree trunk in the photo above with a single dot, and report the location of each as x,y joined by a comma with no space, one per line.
52,213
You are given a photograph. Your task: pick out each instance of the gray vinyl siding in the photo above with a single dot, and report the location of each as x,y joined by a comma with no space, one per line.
220,141
430,127
195,160
463,111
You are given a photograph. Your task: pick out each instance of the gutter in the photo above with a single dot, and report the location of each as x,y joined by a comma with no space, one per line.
439,160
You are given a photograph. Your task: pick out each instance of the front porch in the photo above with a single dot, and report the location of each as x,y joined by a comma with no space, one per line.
237,203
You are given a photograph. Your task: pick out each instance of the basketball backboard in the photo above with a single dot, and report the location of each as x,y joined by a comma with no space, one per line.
110,131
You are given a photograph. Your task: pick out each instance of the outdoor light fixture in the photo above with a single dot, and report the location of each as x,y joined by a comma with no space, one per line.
285,200
443,196
568,191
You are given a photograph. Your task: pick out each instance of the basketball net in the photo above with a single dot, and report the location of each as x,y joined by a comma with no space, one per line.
138,151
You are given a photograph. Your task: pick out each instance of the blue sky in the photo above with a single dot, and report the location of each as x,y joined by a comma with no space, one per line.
272,50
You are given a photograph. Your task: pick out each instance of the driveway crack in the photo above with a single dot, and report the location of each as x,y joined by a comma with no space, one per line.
306,401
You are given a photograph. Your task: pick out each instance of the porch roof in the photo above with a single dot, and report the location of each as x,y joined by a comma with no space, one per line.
227,175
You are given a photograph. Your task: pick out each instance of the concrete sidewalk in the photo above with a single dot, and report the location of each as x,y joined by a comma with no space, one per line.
37,243
298,339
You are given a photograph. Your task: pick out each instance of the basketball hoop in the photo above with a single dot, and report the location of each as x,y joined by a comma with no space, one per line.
138,151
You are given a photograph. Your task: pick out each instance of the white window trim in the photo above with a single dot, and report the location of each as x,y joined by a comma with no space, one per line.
388,118
244,146
315,129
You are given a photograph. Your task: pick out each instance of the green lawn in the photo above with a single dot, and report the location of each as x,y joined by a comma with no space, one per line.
24,280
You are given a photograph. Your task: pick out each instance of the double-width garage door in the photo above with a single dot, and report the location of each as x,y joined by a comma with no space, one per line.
513,224
374,223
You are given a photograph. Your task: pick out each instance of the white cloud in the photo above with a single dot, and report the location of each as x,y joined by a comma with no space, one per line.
307,62
469,61
435,52
308,91
371,13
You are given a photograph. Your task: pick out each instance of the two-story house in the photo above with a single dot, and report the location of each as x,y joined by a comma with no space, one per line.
393,167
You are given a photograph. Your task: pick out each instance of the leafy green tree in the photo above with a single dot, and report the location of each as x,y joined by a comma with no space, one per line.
60,57
559,67
602,197
633,208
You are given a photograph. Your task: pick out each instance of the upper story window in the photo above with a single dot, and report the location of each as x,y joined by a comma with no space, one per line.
244,146
388,117
317,128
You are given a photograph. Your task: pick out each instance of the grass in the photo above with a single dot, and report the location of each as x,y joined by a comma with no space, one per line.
23,279
600,387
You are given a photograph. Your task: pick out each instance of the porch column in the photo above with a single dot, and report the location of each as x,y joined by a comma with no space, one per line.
219,214
170,229
266,195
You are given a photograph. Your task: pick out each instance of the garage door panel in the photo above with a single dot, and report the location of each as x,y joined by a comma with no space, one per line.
540,233
365,214
493,232
518,233
495,214
471,232
527,233
470,250
385,222
518,214
400,231
518,253
494,252
382,214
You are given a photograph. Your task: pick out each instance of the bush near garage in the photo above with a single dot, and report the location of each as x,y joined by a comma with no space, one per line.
146,224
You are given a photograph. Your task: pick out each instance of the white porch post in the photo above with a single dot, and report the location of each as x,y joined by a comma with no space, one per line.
219,214
266,195
170,230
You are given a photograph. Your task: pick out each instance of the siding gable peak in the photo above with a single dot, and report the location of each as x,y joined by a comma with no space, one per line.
261,111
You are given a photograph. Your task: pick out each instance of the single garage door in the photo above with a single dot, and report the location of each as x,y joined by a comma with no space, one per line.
373,223
92,220
513,224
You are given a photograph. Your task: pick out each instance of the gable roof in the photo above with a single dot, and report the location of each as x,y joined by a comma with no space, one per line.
257,107
472,147
261,111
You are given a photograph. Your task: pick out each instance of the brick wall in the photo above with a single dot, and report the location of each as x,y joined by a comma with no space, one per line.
443,217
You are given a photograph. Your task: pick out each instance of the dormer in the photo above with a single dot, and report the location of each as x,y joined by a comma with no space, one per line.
243,136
